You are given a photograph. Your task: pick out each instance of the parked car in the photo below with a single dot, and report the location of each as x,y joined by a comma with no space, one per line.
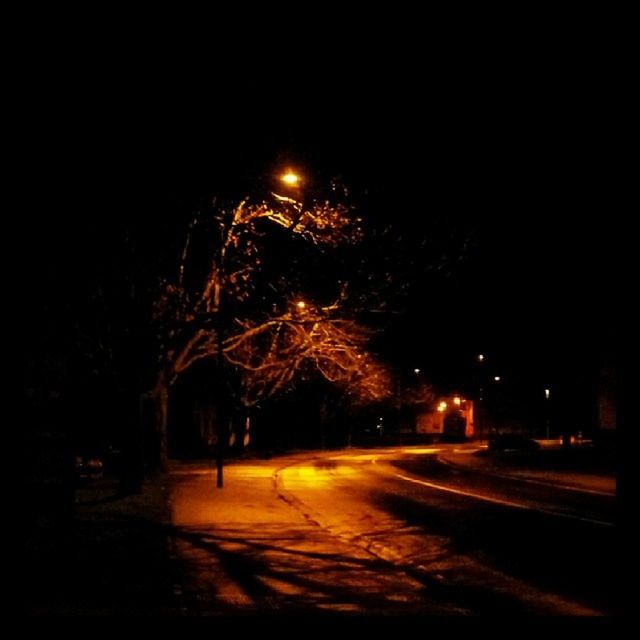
88,468
512,442
95,460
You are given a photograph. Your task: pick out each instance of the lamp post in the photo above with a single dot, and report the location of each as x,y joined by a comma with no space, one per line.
401,376
292,181
547,397
478,384
497,404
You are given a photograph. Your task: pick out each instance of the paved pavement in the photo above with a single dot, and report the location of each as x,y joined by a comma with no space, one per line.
344,533
246,549
325,533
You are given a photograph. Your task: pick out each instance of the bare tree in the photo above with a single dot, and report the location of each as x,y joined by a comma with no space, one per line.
272,353
228,308
418,394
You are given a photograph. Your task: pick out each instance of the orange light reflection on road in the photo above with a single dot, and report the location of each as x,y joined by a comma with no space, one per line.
421,451
315,476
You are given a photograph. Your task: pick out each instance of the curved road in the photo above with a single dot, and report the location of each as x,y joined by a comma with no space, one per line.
392,530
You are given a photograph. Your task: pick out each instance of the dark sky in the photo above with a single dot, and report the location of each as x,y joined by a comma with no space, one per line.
523,166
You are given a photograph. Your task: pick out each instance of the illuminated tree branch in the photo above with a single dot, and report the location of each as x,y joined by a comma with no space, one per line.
213,312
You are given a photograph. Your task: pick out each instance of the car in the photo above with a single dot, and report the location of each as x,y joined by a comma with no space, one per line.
512,442
96,460
88,468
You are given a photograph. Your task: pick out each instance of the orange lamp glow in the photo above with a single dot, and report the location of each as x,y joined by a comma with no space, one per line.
290,178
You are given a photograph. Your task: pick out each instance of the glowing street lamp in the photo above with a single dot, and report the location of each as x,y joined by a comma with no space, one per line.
416,371
290,179
457,400
301,305
547,395
480,357
497,378
292,193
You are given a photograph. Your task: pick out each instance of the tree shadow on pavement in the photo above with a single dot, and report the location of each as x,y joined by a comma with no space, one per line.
309,581
573,559
340,582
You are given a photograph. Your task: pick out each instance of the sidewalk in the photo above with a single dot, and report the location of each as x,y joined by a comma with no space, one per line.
546,467
184,547
247,550
112,559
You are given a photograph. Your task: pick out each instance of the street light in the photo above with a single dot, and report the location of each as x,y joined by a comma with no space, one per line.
547,397
416,371
290,178
479,379
292,182
301,305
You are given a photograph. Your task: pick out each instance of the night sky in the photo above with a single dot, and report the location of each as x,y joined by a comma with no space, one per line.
522,167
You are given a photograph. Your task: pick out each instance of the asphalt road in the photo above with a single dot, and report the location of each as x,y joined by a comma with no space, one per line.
487,544
388,531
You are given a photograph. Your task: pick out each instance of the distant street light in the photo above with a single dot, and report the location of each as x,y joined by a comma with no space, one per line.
547,395
301,305
416,371
496,378
479,378
457,401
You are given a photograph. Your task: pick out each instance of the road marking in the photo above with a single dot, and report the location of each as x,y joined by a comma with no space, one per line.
545,483
505,503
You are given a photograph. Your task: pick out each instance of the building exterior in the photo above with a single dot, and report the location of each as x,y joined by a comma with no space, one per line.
449,417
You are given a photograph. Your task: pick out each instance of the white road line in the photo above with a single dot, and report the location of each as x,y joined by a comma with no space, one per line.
506,503
566,487
544,483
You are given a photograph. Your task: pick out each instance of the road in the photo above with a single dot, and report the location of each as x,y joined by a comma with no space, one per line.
399,530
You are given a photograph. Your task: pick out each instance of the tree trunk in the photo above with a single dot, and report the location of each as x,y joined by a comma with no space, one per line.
160,395
131,467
